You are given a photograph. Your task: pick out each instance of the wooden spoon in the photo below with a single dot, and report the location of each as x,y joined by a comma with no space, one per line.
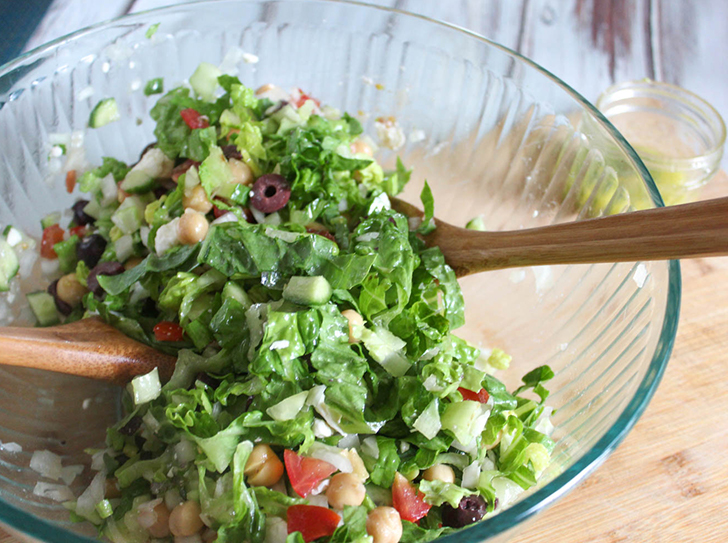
89,348
92,348
665,233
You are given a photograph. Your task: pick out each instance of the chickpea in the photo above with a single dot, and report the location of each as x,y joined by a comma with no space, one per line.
112,489
263,468
185,519
209,535
242,174
384,525
69,290
345,489
355,319
160,528
264,88
197,199
362,147
192,228
133,262
439,472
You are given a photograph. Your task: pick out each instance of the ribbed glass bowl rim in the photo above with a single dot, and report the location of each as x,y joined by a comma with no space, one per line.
571,477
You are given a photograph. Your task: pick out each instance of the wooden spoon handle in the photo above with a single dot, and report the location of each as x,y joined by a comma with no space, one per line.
89,348
688,230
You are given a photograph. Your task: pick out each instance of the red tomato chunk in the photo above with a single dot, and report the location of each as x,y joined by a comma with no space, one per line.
408,501
312,521
168,331
306,473
51,235
193,119
480,396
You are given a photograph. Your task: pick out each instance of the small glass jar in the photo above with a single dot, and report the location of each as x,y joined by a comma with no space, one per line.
678,135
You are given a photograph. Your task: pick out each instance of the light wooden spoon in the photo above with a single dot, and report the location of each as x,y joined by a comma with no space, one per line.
91,348
665,233
88,348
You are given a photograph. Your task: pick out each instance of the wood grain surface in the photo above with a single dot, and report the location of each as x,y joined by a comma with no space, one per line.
668,481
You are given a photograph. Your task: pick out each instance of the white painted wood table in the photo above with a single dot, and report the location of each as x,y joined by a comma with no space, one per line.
668,482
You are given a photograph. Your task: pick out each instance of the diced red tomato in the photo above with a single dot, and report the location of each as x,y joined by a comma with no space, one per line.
51,235
168,331
302,99
70,181
312,521
193,119
480,396
79,231
408,501
182,168
305,473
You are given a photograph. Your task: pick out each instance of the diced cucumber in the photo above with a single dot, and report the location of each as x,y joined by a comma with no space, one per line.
199,333
66,251
204,81
236,292
128,217
8,265
124,247
105,112
13,235
137,181
307,290
154,86
92,209
476,224
109,191
50,220
44,308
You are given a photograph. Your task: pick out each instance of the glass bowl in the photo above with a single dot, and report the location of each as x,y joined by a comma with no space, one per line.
496,136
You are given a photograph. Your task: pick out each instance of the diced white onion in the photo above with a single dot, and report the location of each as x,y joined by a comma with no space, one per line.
146,516
46,463
59,493
11,447
94,493
332,455
69,473
471,475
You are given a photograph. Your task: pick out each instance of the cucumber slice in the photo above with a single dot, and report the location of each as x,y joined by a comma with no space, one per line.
8,265
137,181
236,292
50,220
204,81
44,308
105,112
307,290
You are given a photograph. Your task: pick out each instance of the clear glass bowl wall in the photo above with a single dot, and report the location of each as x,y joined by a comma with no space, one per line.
501,140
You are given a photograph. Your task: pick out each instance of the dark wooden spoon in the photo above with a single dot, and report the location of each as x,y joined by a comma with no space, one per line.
89,348
665,233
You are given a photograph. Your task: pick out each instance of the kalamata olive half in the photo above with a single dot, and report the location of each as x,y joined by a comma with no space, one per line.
471,509
62,307
103,268
90,249
231,151
270,193
79,217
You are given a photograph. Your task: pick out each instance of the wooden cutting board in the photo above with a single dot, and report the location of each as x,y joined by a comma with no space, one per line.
668,481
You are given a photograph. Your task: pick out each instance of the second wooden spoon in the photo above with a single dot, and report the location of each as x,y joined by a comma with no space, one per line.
665,233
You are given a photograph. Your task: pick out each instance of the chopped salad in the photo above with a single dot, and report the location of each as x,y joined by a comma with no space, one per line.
320,391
